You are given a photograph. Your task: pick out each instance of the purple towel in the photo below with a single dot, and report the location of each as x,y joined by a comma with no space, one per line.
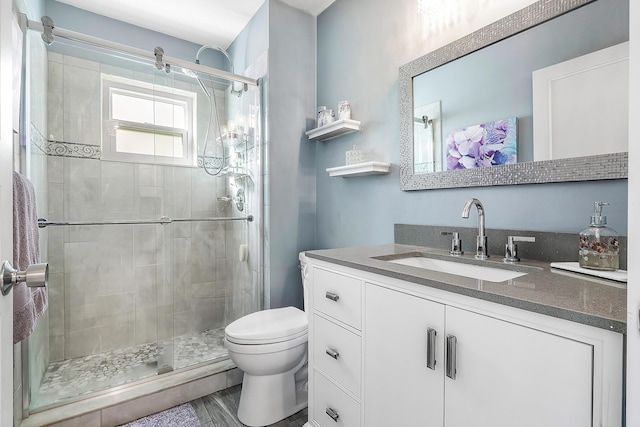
28,303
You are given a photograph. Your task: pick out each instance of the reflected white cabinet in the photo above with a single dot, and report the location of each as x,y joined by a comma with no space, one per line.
501,374
381,354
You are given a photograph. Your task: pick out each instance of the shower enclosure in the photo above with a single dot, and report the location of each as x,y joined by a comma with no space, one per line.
148,186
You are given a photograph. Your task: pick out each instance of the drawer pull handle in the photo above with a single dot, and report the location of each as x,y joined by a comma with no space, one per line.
331,352
431,348
333,414
332,296
452,343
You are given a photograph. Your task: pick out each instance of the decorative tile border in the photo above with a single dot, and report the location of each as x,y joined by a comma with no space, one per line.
610,166
87,151
61,148
37,139
210,162
71,149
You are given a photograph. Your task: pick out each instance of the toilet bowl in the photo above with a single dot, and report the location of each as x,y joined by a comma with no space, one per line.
270,347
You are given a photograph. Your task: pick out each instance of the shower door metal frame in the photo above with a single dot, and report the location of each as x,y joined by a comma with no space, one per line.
141,53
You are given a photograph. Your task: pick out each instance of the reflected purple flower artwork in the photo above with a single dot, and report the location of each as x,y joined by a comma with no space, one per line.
484,145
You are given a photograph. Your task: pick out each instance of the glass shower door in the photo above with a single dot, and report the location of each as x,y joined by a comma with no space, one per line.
133,296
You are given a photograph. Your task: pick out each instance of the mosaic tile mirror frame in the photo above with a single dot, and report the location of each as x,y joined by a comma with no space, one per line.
586,168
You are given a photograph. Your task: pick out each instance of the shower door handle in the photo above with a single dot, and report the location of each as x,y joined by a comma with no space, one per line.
35,276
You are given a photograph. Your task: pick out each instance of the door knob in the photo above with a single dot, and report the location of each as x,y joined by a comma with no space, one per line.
35,276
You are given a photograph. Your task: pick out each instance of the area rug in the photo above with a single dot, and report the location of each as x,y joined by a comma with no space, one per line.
179,416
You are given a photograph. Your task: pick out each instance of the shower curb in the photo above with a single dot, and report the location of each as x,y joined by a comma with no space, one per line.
145,398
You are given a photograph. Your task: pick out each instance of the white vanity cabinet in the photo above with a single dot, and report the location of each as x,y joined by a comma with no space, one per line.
397,365
335,350
400,388
500,373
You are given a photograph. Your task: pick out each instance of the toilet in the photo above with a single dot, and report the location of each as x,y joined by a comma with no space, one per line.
270,347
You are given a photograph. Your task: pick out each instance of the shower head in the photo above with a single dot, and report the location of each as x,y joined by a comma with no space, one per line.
194,75
190,73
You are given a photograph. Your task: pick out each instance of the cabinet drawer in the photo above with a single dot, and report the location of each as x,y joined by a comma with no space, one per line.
338,296
337,352
333,407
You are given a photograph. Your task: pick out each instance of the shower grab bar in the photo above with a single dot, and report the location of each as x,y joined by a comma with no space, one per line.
122,48
42,222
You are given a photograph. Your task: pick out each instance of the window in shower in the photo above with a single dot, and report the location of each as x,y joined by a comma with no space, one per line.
147,123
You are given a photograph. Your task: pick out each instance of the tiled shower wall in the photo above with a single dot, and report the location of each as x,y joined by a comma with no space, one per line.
120,285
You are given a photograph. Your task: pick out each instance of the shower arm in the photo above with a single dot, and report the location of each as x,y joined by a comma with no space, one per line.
141,53
226,54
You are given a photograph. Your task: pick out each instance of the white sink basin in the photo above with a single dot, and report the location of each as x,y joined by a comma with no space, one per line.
472,271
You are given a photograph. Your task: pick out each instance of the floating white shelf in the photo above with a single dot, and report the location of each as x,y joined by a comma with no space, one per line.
360,169
333,130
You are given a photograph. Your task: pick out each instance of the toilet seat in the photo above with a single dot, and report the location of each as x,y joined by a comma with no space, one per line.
263,349
268,327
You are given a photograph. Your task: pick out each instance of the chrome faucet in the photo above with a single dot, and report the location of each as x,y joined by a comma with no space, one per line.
481,238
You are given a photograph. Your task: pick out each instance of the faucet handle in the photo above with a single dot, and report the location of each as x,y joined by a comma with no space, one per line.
456,243
511,249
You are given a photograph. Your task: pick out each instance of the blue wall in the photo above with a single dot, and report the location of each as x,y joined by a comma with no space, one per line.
289,158
361,45
290,161
252,41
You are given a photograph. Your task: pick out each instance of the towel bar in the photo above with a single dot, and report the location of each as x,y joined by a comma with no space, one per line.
42,222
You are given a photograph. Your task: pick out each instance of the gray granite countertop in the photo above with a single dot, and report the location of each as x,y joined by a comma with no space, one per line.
572,296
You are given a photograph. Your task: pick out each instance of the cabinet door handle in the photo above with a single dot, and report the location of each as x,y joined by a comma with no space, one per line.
452,343
331,352
431,348
332,296
333,414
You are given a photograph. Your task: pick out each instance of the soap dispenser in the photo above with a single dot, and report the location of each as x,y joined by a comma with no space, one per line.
599,243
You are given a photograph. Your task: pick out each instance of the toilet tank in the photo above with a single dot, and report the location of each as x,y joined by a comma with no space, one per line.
306,276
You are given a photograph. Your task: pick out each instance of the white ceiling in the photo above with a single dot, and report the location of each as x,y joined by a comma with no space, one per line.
204,22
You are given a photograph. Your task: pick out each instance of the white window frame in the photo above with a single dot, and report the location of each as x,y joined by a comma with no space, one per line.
118,85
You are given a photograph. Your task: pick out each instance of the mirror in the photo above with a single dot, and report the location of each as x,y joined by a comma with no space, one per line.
438,97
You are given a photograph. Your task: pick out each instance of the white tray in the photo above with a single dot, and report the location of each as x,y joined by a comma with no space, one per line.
618,275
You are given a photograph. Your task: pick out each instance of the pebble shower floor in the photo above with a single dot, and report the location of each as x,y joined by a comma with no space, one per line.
98,372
